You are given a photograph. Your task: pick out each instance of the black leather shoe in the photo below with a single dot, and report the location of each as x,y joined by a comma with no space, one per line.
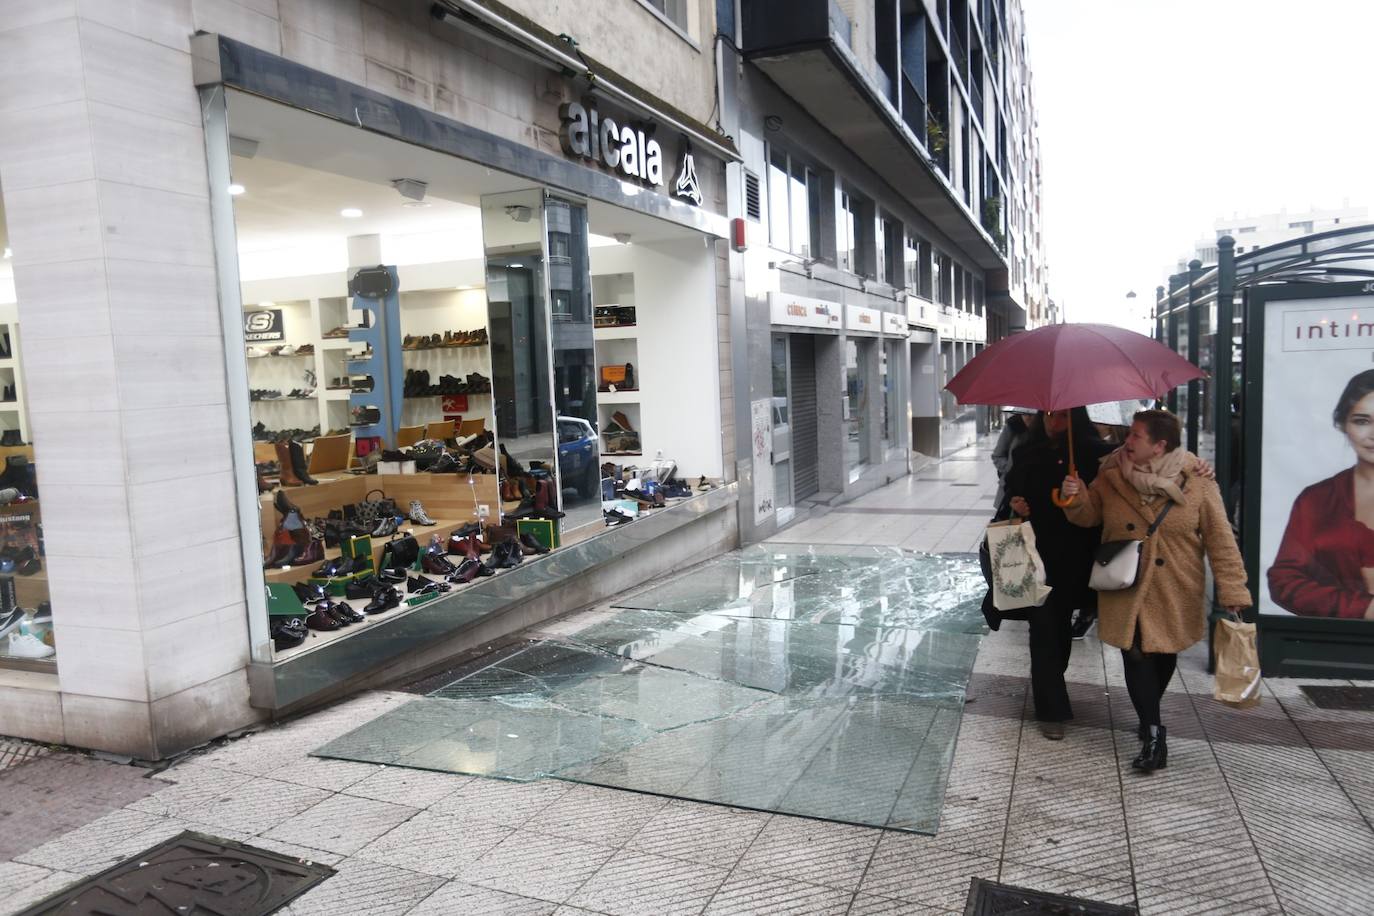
436,564
1154,753
321,619
361,588
347,613
421,586
288,632
530,544
391,575
385,599
308,593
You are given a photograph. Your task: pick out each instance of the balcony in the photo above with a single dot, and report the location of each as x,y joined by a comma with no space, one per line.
804,47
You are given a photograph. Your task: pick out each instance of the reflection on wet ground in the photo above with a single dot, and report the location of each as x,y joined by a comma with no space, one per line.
826,683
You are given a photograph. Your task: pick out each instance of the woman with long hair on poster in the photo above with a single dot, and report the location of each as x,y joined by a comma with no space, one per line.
1325,563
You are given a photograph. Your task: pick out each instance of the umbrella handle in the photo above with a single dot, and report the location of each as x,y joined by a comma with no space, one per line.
1073,472
1060,501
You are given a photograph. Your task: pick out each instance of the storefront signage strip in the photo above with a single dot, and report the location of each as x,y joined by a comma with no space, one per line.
803,311
862,320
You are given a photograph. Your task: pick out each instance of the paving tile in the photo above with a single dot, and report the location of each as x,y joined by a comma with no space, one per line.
1320,866
192,789
78,850
334,775
341,823
596,815
869,905
902,870
537,865
18,897
637,884
433,844
1182,901
1054,881
1235,875
404,786
817,852
709,834
1252,762
497,801
258,806
1063,844
471,900
748,894
364,887
296,851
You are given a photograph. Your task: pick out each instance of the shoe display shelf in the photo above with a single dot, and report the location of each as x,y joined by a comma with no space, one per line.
305,322
618,346
447,498
12,413
426,313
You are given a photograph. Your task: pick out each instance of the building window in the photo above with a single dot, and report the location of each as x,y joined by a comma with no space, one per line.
794,196
890,266
918,266
675,11
853,225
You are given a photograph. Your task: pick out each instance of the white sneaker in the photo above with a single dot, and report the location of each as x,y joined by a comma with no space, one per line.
256,352
26,645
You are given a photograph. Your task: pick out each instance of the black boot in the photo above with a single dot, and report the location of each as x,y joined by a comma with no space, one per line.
1154,753
299,464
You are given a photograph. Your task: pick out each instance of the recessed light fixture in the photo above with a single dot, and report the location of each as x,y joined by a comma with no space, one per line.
467,286
267,304
415,204
236,189
515,265
9,253
350,213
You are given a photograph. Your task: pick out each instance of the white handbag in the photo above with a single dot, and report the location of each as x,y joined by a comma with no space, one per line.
1116,564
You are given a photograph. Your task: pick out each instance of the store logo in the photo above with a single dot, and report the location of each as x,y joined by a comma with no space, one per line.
1313,329
620,147
796,311
865,318
686,186
264,324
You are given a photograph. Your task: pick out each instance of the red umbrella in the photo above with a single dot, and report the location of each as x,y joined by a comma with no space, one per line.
1061,366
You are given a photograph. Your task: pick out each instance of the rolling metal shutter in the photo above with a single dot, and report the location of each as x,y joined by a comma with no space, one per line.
805,452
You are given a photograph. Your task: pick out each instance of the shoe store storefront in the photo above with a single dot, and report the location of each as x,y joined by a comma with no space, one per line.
470,384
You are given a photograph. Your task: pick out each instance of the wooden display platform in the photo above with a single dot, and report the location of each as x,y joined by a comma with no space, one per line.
447,499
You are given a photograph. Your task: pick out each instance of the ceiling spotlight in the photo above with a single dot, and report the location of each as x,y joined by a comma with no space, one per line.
621,237
415,204
9,253
410,188
350,213
517,266
236,189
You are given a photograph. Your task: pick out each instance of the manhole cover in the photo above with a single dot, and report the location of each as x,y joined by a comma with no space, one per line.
190,873
1325,697
987,898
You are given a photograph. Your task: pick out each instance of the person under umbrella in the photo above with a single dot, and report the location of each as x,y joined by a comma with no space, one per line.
1065,549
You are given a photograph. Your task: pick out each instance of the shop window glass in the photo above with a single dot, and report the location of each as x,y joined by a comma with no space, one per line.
780,409
845,234
27,640
889,252
779,208
858,353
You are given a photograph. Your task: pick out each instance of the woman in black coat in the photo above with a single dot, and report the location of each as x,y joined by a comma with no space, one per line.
1038,467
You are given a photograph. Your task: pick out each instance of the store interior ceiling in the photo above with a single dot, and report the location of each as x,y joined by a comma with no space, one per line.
305,171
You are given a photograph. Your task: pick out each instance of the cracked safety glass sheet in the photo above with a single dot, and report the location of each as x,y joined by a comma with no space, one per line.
846,721
869,586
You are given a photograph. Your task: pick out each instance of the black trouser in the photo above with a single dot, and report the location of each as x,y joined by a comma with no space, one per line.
1147,676
1051,641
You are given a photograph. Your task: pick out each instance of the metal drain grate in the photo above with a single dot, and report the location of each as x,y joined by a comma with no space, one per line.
190,873
1327,697
987,898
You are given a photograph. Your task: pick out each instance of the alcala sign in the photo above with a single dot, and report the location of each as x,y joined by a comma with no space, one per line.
622,148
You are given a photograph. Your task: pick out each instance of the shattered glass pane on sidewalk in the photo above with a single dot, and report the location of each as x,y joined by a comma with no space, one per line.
826,683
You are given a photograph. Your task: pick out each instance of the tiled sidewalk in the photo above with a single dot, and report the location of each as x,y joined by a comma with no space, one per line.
1264,811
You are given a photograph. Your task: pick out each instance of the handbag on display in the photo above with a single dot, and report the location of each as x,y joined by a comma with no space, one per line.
1116,564
401,552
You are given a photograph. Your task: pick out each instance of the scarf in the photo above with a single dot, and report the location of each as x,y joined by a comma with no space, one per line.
1161,477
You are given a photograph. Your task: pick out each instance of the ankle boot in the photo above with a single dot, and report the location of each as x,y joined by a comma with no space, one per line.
299,464
1154,753
287,473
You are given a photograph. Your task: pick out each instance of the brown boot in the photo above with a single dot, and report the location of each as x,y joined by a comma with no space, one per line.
287,473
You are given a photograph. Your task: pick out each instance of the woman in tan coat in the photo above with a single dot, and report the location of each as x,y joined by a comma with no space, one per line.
1164,612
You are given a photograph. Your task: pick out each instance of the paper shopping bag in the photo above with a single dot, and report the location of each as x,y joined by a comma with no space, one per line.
1238,669
1018,575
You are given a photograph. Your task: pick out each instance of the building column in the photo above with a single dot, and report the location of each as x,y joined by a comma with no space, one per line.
102,165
